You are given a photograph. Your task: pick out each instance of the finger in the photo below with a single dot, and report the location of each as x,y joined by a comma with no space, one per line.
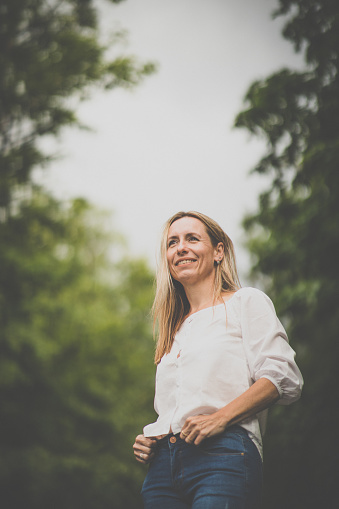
143,462
143,453
190,426
141,457
141,440
143,449
197,432
188,435
184,434
186,429
192,436
146,445
199,438
144,457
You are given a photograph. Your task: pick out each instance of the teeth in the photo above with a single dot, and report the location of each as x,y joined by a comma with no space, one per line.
182,262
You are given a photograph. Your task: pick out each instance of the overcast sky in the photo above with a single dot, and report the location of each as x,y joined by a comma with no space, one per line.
169,144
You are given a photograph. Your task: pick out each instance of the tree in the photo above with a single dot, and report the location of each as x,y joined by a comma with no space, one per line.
294,240
76,370
50,52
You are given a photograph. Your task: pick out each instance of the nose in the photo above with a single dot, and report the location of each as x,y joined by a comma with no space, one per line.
181,246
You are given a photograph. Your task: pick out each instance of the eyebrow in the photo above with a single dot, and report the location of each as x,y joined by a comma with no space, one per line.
186,235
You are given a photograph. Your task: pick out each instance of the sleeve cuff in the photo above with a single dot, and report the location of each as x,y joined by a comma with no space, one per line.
275,383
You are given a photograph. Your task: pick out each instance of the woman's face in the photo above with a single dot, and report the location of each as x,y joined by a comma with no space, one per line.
191,256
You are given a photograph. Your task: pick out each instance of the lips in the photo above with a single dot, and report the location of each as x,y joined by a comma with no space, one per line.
185,261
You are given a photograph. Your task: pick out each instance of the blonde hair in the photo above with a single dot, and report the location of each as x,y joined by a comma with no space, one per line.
171,304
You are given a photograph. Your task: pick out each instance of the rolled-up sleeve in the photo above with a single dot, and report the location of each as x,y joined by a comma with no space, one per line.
268,352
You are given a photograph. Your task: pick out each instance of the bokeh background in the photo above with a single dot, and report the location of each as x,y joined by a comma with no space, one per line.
113,116
169,144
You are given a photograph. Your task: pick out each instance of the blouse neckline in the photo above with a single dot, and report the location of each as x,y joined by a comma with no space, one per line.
211,307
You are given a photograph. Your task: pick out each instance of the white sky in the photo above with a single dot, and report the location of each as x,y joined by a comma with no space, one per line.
169,145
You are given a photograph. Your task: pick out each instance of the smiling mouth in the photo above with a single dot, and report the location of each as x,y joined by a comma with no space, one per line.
184,262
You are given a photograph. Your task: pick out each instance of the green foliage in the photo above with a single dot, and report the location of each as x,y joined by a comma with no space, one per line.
76,349
50,51
294,240
76,373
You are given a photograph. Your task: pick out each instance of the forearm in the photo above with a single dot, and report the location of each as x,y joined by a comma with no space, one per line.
258,397
261,395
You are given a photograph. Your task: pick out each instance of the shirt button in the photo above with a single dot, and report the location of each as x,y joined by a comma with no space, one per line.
173,440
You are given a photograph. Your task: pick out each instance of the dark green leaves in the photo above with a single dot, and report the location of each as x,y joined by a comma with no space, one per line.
76,358
76,349
294,240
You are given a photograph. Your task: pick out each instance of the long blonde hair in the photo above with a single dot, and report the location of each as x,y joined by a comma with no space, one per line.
171,304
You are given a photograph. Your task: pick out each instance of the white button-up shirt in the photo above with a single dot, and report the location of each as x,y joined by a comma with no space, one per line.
217,354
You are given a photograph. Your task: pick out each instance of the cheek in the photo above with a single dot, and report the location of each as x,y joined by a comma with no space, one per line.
168,258
169,263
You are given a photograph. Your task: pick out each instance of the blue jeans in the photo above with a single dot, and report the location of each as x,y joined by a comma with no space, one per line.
223,472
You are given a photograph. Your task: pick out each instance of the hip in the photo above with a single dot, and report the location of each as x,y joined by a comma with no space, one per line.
228,464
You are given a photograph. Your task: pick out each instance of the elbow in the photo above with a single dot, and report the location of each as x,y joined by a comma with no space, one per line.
289,389
290,393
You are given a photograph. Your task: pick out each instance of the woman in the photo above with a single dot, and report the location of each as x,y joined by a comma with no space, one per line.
222,359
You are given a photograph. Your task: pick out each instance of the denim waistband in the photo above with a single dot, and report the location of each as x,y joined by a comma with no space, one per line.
164,439
235,428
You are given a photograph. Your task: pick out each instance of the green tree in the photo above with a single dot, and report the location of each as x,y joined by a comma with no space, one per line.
76,369
50,52
294,240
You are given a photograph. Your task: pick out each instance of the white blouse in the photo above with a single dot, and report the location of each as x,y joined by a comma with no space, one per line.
217,354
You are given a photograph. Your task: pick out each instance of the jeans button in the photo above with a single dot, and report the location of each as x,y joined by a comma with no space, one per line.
173,440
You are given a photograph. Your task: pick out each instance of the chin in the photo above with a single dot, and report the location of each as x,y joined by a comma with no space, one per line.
187,278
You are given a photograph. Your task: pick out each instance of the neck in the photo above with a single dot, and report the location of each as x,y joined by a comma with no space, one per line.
200,296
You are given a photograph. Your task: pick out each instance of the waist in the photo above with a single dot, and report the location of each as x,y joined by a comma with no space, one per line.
172,438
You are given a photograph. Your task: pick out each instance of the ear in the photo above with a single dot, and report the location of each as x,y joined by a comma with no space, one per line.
219,252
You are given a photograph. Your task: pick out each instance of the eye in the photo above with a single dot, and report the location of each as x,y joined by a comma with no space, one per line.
193,239
171,243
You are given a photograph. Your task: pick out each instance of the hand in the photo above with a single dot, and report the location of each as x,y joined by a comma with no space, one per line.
144,449
199,427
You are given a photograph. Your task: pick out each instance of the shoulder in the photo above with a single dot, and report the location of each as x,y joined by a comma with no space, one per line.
249,297
248,292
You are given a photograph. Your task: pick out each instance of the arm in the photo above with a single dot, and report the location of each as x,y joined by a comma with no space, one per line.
258,397
271,366
268,352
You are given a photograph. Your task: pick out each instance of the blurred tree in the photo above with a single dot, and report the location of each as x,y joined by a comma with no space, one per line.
50,52
294,239
75,341
76,363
